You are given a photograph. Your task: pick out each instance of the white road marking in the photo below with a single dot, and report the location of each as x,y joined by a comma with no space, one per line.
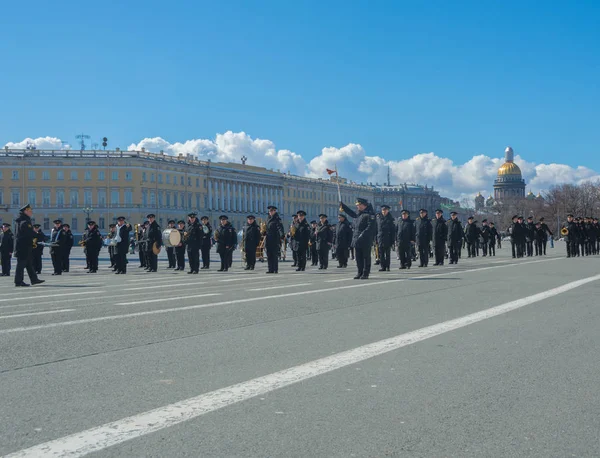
35,298
167,285
168,299
36,313
238,301
339,279
117,432
279,287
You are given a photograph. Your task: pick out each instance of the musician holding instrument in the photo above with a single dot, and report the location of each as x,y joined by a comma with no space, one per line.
93,244
111,247
274,236
56,239
250,241
569,232
302,237
180,248
67,246
226,237
171,249
192,238
141,244
121,248
153,243
293,243
206,242
312,243
24,240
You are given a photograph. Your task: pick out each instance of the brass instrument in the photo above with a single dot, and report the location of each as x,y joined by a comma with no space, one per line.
376,251
263,228
564,231
81,242
35,243
185,236
293,230
216,235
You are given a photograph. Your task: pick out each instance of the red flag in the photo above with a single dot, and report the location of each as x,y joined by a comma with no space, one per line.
331,171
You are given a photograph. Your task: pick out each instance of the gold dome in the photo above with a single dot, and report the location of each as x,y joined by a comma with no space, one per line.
509,168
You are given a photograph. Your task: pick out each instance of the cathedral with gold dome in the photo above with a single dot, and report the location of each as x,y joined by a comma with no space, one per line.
509,183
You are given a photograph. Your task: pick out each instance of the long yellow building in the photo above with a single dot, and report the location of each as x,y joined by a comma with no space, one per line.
102,185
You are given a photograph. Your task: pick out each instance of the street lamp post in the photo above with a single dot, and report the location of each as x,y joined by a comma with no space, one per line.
87,211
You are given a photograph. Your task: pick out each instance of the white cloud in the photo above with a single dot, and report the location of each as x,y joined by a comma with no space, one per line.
455,180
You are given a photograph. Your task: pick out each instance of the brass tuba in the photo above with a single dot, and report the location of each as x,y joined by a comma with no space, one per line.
263,228
216,235
293,230
35,243
564,231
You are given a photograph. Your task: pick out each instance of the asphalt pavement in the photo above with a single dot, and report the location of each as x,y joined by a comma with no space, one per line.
493,357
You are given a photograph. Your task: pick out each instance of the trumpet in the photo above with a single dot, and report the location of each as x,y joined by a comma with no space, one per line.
564,231
293,230
216,235
81,243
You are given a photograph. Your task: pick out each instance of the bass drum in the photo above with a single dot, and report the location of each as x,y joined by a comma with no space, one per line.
171,237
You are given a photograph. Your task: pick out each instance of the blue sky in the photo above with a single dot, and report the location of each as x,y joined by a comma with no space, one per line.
399,78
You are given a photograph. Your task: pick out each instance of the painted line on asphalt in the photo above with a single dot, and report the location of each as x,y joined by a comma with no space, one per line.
32,298
168,299
360,284
280,287
167,285
36,313
117,432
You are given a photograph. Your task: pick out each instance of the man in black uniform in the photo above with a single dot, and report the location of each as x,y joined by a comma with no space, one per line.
38,251
406,237
521,237
529,236
484,232
205,243
386,233
7,245
193,242
154,236
68,241
302,237
293,244
171,250
56,238
343,240
226,238
23,247
324,241
364,229
571,237
440,235
424,235
492,241
471,235
314,255
274,236
122,247
250,241
180,249
93,244
455,237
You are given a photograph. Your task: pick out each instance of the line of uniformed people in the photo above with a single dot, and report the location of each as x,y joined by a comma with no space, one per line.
582,236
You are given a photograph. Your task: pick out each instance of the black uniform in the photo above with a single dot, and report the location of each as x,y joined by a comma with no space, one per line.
111,250
571,238
302,237
226,242
66,251
141,246
24,236
440,235
94,245
386,234
529,238
7,245
153,235
471,235
250,241
38,252
405,237
484,233
314,255
275,234
455,239
324,242
193,244
424,235
492,241
121,248
343,239
56,238
364,229
205,245
293,246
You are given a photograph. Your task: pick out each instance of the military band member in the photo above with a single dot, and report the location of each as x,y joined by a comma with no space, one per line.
343,240
405,238
206,242
180,249
250,241
292,241
386,234
324,241
314,255
302,237
521,237
455,237
492,241
440,235
484,233
83,244
364,230
424,235
154,236
24,236
274,236
226,237
596,227
56,248
193,242
122,247
38,251
68,240
571,237
93,244
471,235
171,250
7,246
529,236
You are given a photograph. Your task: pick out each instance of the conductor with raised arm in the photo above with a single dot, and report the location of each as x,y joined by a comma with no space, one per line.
364,225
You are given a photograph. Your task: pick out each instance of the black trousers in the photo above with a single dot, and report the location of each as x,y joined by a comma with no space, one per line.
342,256
405,252
193,253
66,262
314,255
251,257
324,257
151,260
484,248
544,243
37,260
492,248
529,248
205,256
423,255
363,259
454,251
273,259
57,261
439,250
120,261
295,256
6,263
180,257
571,248
22,264
111,255
171,257
92,257
226,259
302,258
471,249
384,256
142,255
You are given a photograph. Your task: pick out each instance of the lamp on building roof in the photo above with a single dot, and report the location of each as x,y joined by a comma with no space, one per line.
244,159
143,149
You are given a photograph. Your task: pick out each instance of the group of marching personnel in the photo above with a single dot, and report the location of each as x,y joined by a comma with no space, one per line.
368,231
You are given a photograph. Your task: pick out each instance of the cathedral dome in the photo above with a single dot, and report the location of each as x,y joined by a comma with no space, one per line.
509,168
